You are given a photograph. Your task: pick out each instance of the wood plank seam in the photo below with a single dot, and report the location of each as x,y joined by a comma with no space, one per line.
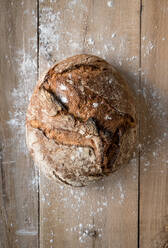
3,187
38,40
139,123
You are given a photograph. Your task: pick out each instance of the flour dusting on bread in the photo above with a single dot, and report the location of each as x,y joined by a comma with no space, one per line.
81,122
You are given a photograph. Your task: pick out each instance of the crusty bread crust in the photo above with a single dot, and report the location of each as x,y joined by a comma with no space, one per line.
81,121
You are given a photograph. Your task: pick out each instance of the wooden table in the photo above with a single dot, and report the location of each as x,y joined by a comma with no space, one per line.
128,209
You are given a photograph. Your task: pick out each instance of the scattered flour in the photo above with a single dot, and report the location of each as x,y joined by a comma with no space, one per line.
95,104
131,59
49,24
63,87
113,35
90,41
72,3
149,48
107,117
110,4
74,45
122,193
26,74
23,232
35,181
64,99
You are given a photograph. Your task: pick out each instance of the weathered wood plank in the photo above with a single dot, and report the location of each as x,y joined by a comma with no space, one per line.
109,29
18,182
154,132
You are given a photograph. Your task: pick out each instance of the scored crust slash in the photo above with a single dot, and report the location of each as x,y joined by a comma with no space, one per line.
81,121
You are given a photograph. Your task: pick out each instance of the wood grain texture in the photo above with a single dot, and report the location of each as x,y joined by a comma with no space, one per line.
99,215
18,191
154,119
106,213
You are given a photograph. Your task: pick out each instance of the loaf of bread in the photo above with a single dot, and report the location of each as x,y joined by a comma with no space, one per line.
81,121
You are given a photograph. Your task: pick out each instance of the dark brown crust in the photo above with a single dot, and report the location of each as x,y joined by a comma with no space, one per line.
81,103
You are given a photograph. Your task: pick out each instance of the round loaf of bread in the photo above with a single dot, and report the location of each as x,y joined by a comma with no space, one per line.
81,121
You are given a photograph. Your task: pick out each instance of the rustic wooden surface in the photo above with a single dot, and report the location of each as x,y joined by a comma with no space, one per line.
18,182
154,126
128,209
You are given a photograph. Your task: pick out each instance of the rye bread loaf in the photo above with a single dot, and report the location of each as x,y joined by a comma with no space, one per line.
81,121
